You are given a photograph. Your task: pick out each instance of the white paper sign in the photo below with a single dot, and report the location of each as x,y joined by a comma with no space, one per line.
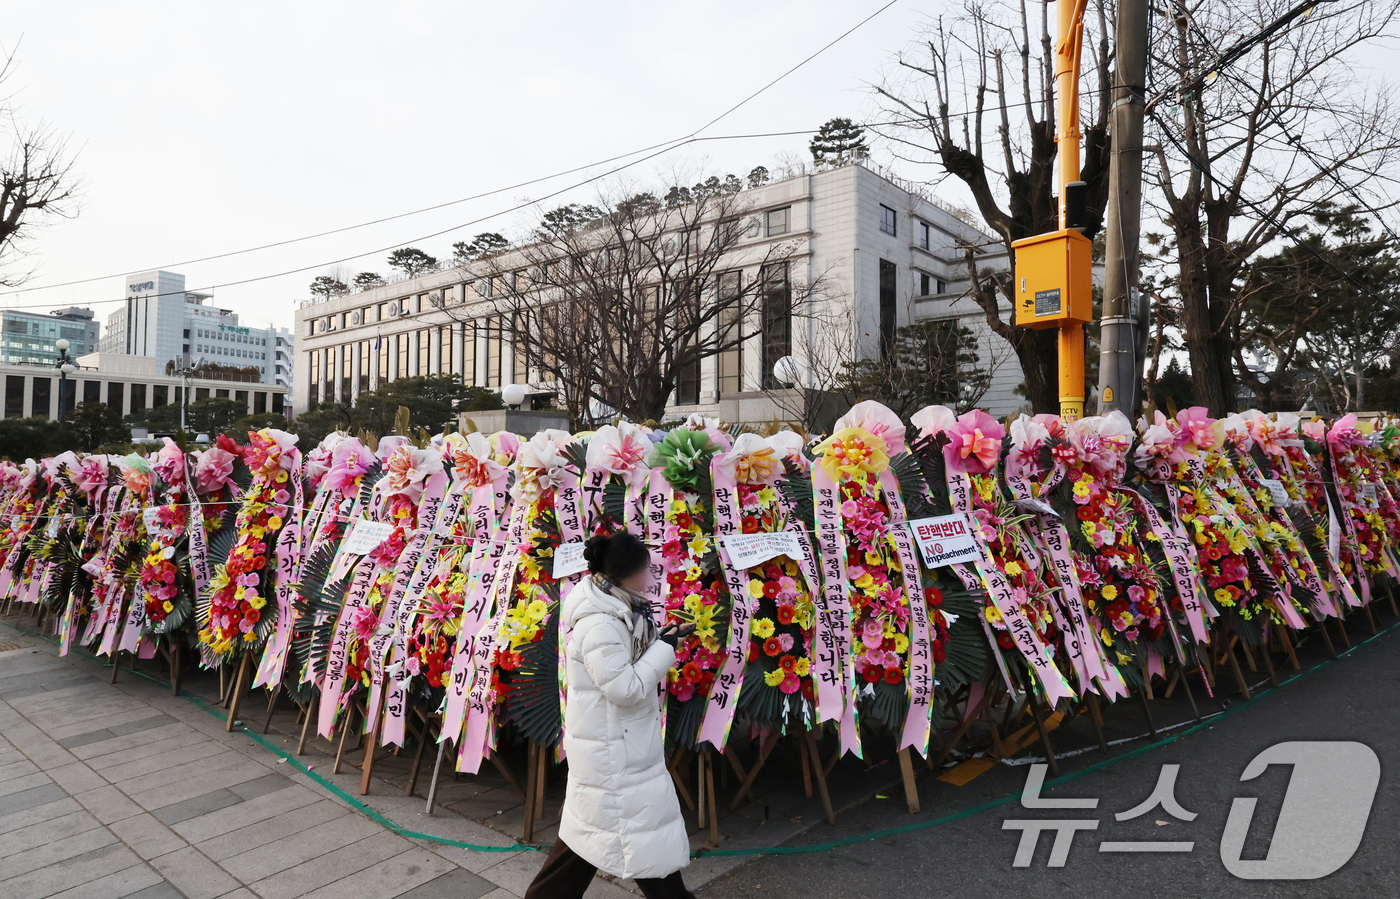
52,529
150,517
365,536
1368,493
1035,505
569,560
1276,491
747,550
945,540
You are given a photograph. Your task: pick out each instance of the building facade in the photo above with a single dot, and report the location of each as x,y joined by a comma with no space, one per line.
162,320
886,256
129,384
29,337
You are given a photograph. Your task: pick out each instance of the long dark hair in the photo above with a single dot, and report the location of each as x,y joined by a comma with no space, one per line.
616,556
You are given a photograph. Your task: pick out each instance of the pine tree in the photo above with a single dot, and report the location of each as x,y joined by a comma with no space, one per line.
839,142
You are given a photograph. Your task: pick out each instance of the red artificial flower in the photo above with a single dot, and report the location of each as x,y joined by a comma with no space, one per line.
934,596
1004,640
788,663
939,653
773,646
893,675
750,526
692,673
872,674
770,589
753,650
785,614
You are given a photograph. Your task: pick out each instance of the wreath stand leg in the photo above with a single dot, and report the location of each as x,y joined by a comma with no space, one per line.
1096,716
236,697
1268,659
1326,638
1342,628
766,744
116,664
976,705
1037,710
1228,653
1390,595
532,776
306,725
371,744
175,670
1287,642
706,792
1370,618
423,734
906,773
346,727
437,770
809,743
223,684
673,766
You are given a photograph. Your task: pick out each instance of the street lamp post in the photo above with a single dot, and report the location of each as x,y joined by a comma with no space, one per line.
65,368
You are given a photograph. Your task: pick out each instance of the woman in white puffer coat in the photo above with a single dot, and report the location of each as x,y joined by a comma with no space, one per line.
620,814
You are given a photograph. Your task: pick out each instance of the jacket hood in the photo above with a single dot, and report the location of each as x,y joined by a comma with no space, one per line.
586,599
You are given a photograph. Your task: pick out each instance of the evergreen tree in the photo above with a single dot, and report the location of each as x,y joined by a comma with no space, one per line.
838,142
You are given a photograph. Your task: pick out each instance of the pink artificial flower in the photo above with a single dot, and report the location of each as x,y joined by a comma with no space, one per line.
348,461
975,443
170,463
622,450
409,470
1198,427
213,468
878,420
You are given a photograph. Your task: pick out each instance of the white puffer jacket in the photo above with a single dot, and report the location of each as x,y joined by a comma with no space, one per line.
620,810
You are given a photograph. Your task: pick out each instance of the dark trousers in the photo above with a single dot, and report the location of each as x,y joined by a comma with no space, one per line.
567,876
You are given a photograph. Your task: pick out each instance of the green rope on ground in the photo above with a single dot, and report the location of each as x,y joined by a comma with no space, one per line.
776,850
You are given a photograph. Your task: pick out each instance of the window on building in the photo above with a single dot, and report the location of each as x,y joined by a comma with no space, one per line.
469,353
520,343
445,360
14,395
923,235
730,317
315,370
187,333
888,316
486,287
92,392
116,391
383,354
776,313
493,351
259,402
365,351
331,356
201,394
778,221
138,398
887,219
160,396
425,352
241,397
347,360
220,393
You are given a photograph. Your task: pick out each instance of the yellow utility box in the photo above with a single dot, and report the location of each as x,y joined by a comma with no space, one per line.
1054,279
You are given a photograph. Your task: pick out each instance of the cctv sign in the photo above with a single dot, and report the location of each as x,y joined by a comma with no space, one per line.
945,540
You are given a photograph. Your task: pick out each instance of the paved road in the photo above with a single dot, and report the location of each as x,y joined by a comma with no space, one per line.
111,791
1356,698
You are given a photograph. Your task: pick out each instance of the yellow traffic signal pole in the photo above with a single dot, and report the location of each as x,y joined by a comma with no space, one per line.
1053,282
1070,41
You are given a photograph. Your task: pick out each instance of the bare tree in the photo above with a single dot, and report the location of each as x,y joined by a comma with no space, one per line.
37,180
616,307
975,95
1244,153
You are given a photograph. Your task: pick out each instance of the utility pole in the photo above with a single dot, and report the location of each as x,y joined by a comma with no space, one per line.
1054,272
1120,362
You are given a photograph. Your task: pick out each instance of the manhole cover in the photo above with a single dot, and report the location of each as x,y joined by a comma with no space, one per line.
6,647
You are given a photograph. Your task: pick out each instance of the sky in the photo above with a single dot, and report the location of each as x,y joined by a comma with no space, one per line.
202,128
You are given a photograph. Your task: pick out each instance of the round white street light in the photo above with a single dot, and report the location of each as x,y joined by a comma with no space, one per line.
68,368
786,371
61,345
513,395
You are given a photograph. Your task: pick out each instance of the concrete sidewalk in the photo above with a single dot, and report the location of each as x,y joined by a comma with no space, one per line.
111,791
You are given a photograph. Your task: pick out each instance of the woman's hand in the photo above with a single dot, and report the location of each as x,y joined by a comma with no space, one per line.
672,634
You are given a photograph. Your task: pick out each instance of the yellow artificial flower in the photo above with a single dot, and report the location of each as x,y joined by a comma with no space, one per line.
537,609
864,582
1109,592
755,588
775,677
901,643
852,452
699,545
1013,569
763,628
992,614
804,667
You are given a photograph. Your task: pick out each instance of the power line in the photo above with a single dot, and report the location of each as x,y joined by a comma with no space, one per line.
663,147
